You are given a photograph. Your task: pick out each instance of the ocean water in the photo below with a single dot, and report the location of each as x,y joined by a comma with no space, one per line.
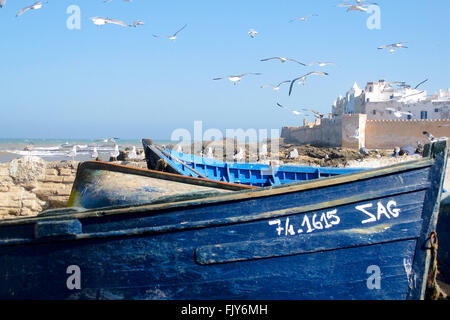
60,149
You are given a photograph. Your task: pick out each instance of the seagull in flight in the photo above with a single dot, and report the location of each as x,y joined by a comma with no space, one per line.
99,21
404,85
252,33
108,1
172,37
275,87
361,1
303,18
282,60
319,115
399,113
354,7
138,23
393,46
34,6
321,64
297,113
303,78
236,79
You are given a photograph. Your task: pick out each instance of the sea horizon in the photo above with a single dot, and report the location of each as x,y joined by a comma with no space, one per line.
58,149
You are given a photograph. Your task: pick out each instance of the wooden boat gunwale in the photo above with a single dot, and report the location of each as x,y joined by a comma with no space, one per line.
100,165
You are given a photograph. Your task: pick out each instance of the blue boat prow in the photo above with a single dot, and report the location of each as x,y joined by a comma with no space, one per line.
255,174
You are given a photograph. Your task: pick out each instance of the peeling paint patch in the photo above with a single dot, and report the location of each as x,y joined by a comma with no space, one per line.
407,264
374,229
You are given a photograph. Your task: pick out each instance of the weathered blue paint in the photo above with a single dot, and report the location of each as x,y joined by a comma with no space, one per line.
100,184
255,174
241,245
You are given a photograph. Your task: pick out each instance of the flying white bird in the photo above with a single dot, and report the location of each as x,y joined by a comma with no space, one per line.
399,113
362,1
138,23
172,37
252,33
275,87
304,77
393,46
94,153
236,79
321,64
282,59
99,21
319,115
353,7
303,18
108,1
293,154
297,113
34,6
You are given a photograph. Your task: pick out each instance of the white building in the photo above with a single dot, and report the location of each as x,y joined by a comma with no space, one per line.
403,101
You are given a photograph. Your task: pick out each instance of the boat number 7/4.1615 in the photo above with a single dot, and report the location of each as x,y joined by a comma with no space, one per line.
330,218
325,220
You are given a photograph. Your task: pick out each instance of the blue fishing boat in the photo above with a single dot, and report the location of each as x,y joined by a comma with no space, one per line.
100,184
364,235
255,174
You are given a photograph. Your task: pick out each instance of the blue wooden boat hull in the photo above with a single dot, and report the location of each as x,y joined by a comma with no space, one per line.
255,174
357,236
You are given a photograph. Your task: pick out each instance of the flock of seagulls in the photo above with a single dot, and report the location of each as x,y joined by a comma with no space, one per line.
357,5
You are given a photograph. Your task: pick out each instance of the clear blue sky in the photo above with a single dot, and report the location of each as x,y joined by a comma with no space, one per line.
122,82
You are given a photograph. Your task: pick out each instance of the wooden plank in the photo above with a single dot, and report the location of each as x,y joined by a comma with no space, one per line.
307,244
